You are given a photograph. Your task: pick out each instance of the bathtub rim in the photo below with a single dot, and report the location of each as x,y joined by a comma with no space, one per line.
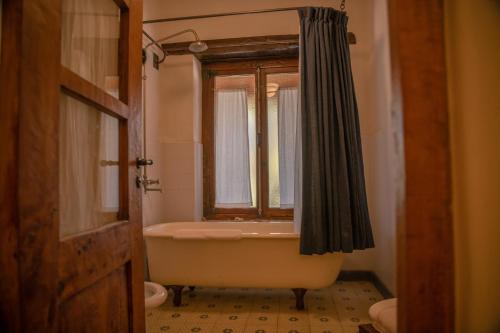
152,231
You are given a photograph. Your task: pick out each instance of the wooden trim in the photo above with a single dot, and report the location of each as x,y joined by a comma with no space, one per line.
425,232
38,56
123,70
259,68
10,68
366,276
250,65
123,170
232,213
208,86
182,47
367,328
133,87
99,251
123,53
233,49
77,87
244,48
122,4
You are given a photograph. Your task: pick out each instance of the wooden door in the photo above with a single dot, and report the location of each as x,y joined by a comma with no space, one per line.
71,257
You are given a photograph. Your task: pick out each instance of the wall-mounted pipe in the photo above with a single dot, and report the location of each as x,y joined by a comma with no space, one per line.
155,43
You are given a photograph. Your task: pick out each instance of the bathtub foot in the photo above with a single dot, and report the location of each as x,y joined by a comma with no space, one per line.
191,288
177,294
299,297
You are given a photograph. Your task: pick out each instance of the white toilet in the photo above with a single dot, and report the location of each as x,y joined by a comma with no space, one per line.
154,295
384,315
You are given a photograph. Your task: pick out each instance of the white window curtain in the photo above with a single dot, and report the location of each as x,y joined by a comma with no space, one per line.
297,195
287,120
90,32
232,163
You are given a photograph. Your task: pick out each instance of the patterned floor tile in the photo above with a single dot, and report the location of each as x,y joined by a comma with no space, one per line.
260,329
322,308
237,306
327,329
294,329
265,307
352,329
236,318
262,318
324,319
203,317
295,318
199,328
168,328
339,308
354,320
221,328
173,317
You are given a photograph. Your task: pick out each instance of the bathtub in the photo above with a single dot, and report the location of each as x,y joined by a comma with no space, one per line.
235,254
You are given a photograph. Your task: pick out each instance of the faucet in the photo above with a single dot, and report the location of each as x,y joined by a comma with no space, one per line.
142,177
145,183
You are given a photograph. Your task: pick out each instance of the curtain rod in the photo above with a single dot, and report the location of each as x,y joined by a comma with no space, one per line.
257,11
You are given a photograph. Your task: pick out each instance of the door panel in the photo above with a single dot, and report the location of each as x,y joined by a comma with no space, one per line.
102,307
78,267
98,253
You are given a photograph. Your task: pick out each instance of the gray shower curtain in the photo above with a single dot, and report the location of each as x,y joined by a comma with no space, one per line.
334,212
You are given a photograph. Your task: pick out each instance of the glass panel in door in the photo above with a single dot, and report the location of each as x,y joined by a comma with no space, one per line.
90,41
88,167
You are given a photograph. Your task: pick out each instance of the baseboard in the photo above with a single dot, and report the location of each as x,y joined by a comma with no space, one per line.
368,328
366,276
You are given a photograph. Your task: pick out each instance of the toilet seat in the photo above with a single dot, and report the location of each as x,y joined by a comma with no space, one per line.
384,315
154,295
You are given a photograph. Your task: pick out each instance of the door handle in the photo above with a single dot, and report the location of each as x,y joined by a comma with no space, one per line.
142,162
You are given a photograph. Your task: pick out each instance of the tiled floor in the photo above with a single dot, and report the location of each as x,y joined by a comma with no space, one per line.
337,309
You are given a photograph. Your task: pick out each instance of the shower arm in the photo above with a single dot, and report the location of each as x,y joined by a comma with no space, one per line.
197,39
155,43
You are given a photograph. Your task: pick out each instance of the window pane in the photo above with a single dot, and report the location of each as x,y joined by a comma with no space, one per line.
282,105
88,167
235,142
90,35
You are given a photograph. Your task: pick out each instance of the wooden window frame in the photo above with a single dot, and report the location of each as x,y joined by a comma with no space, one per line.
259,68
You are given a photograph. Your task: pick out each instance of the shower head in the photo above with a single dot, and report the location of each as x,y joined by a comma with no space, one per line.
198,46
195,47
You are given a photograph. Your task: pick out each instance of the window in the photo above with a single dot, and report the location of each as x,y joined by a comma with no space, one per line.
249,125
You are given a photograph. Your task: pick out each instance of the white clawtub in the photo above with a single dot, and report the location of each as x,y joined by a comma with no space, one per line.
235,254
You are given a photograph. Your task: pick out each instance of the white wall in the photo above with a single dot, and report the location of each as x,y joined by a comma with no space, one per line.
179,118
388,150
153,206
